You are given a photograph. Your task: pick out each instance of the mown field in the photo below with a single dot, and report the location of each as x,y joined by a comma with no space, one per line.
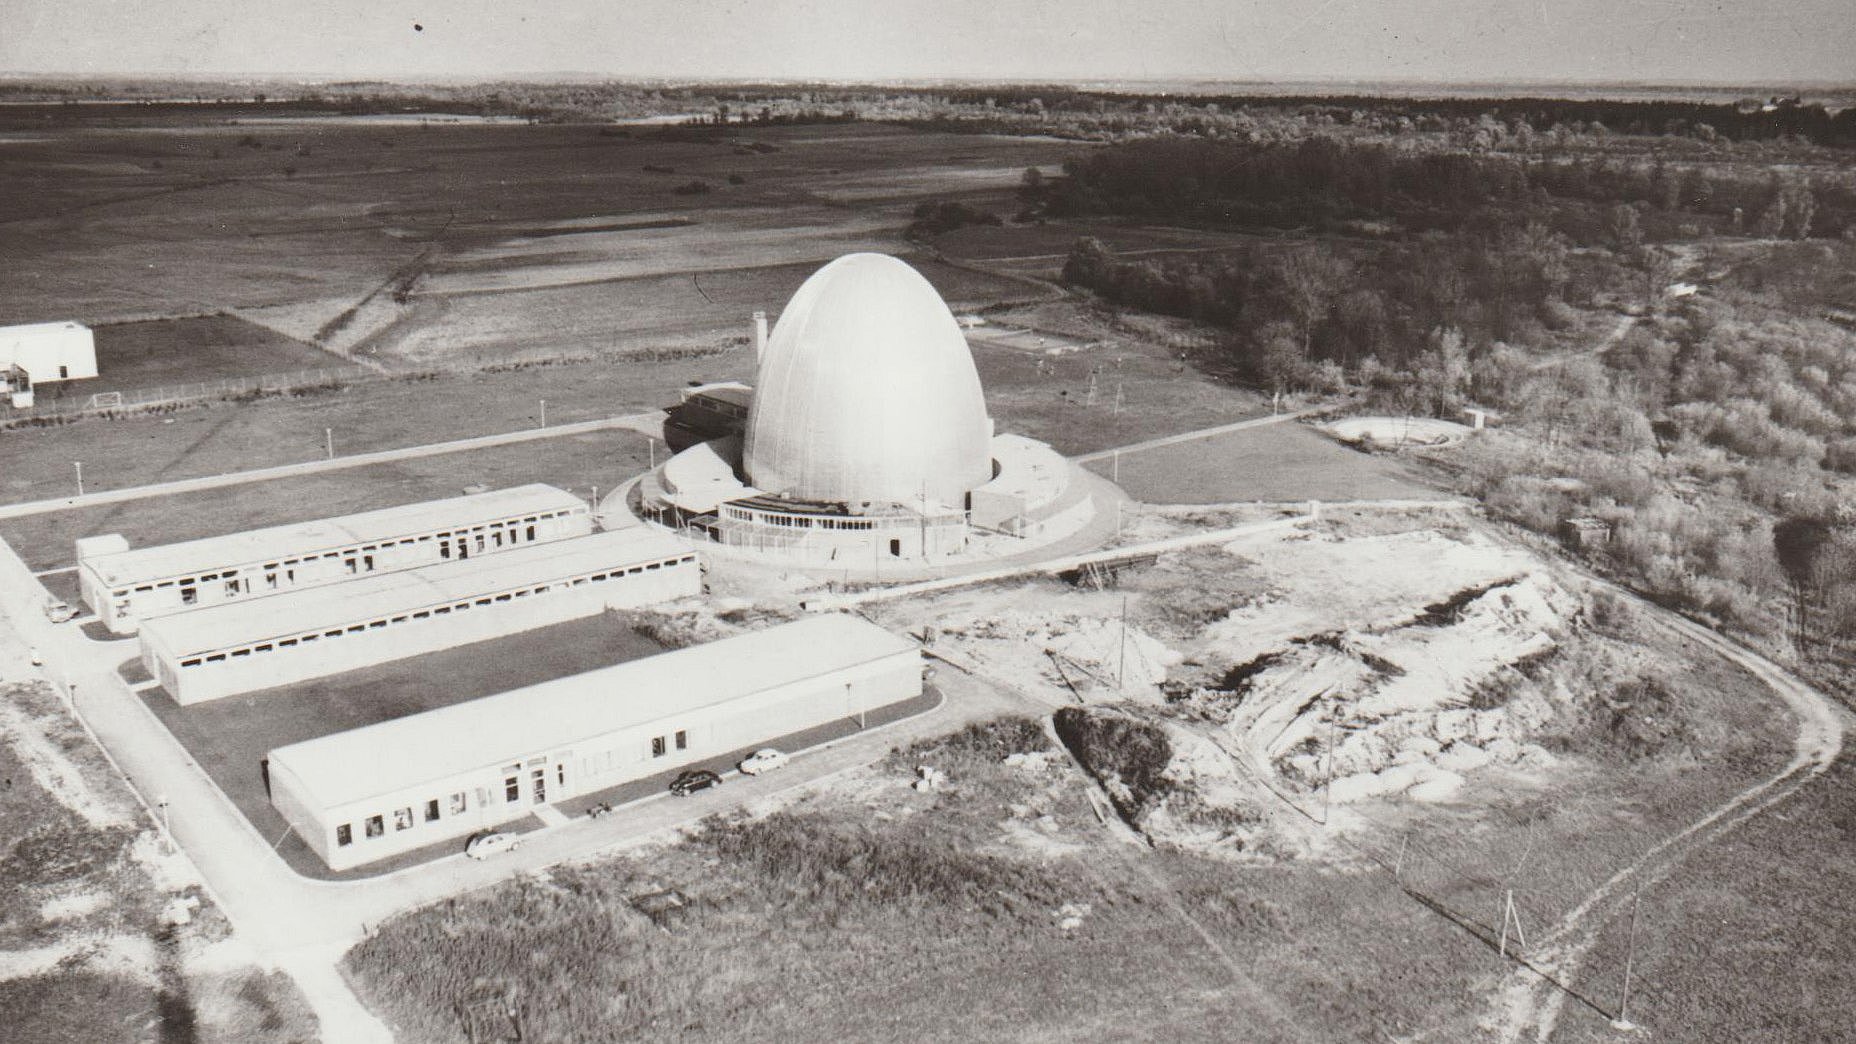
382,236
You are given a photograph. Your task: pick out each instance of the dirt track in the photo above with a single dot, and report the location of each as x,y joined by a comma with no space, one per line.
1534,993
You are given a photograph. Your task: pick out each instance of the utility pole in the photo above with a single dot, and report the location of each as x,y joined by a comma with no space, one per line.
595,498
167,826
653,443
1116,478
1622,1022
328,441
1121,667
79,465
544,413
1509,916
1327,778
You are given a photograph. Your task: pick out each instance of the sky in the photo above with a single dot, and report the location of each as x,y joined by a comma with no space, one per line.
1477,41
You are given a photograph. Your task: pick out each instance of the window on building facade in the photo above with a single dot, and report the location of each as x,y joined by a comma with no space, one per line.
344,835
189,596
402,819
683,740
375,826
431,811
657,746
458,803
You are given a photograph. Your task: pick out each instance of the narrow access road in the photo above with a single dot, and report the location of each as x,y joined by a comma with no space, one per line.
1202,433
1532,998
640,422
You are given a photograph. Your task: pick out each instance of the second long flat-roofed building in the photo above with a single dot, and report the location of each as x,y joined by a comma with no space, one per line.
229,649
125,587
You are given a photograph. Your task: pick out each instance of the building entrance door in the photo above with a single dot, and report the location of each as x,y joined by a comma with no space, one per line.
538,786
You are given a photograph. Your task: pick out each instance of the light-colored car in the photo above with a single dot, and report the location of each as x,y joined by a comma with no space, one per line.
764,760
58,612
486,845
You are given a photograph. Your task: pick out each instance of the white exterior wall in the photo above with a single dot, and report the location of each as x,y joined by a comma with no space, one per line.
123,607
50,351
587,765
400,632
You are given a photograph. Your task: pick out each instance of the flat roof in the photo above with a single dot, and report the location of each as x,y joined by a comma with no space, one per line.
734,392
300,538
243,621
390,757
34,329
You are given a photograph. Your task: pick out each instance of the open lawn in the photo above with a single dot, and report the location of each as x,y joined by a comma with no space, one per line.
1275,462
227,437
573,462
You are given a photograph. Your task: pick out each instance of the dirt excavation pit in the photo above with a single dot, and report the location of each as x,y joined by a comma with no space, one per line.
1317,669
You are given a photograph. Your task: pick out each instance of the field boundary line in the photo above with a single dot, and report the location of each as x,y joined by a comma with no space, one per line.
316,467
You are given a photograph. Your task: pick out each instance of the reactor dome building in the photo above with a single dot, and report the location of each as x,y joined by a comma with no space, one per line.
864,439
867,393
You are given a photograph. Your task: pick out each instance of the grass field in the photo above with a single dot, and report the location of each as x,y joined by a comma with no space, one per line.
227,437
1276,462
574,462
155,220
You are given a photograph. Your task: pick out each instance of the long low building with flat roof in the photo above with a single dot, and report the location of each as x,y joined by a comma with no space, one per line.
125,587
369,793
224,650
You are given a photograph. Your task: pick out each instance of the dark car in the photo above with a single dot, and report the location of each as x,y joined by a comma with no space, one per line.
695,779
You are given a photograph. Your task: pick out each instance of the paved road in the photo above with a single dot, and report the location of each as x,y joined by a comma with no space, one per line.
647,423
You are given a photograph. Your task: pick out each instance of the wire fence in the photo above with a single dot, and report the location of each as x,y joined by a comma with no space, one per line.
233,388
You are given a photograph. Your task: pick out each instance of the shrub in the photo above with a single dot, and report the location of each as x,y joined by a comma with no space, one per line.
1118,749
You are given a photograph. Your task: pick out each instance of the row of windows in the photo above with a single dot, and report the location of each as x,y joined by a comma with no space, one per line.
349,552
423,614
803,521
460,802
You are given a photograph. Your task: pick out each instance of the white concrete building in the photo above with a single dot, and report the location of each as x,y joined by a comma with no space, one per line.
124,587
280,639
64,351
374,792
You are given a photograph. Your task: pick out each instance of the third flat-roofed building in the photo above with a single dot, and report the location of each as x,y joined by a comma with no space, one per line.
125,587
224,650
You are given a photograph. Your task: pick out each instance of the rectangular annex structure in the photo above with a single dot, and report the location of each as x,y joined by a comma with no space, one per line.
374,792
128,586
280,639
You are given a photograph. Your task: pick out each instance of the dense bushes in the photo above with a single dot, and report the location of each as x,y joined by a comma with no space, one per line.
1127,755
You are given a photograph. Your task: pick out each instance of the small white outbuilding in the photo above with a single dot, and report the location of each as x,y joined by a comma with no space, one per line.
62,351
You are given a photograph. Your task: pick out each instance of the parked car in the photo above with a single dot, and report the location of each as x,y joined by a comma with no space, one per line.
58,612
483,846
765,759
695,779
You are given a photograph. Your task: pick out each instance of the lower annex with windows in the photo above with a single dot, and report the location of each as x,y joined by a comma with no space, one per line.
371,793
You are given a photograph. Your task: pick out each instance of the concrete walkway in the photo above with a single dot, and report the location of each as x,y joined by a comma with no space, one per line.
645,423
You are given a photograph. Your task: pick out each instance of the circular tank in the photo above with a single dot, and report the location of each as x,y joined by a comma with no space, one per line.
867,392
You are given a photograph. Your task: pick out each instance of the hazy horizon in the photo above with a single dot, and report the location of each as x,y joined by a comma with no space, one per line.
1408,42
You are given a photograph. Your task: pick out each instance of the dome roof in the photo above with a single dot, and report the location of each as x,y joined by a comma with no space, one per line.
867,392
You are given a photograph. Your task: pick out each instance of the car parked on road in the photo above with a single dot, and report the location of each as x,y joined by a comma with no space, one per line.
695,779
765,759
483,846
59,611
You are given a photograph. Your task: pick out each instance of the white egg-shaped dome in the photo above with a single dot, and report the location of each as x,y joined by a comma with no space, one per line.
867,392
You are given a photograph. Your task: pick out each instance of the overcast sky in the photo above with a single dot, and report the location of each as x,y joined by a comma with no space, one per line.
1668,41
